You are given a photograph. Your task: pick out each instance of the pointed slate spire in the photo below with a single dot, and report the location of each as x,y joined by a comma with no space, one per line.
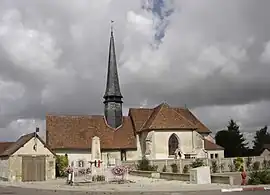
113,86
113,97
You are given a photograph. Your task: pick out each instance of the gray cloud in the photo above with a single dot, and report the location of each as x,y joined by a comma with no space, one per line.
214,58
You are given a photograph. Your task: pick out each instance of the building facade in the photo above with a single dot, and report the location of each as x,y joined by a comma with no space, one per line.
161,132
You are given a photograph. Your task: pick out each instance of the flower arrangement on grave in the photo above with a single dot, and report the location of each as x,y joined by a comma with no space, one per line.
119,171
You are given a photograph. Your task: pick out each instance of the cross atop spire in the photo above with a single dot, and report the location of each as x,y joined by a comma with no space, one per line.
112,27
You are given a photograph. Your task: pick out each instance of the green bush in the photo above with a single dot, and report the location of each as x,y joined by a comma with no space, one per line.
186,169
61,165
256,166
144,165
197,163
259,177
174,168
164,169
214,166
238,164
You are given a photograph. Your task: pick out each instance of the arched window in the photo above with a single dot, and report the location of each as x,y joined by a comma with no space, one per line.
173,144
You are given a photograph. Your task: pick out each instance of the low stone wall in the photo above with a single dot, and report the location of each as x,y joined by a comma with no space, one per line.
174,176
222,179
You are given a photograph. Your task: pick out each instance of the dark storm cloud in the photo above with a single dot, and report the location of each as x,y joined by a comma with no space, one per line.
53,57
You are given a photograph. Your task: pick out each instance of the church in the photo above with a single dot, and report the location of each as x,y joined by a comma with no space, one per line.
162,132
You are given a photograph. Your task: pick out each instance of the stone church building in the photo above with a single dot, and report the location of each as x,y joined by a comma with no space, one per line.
161,132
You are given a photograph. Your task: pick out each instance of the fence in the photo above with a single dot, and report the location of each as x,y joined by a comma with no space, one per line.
222,165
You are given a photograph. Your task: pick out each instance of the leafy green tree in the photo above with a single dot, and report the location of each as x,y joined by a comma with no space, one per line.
261,138
61,165
232,140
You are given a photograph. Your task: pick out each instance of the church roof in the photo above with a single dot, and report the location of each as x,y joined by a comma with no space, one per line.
208,145
76,132
165,117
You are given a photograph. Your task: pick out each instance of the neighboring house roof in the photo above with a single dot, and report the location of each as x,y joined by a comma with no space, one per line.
208,145
165,117
76,132
4,146
265,147
15,146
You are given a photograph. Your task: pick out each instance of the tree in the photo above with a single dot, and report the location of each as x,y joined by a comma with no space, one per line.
232,140
261,138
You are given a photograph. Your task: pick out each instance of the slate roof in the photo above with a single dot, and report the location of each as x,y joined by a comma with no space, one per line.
211,146
12,148
76,132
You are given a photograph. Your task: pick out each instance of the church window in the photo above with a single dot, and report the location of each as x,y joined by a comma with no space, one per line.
187,156
173,144
211,156
123,155
216,155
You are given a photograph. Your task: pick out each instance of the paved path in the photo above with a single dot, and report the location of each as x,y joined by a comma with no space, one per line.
139,184
30,191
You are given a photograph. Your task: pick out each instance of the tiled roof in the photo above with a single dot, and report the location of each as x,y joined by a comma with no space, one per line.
76,132
211,146
20,142
165,117
201,128
4,146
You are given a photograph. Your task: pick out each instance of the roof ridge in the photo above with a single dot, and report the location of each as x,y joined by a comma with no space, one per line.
151,115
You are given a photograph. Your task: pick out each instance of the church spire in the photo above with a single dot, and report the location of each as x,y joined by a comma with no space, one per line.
113,97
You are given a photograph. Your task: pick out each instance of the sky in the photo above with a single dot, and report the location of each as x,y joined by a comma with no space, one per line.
212,56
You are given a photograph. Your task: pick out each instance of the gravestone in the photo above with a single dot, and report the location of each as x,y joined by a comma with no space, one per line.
200,175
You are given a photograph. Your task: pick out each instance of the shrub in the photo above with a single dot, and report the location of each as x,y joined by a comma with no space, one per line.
197,163
61,165
256,166
186,169
222,166
144,165
265,164
231,167
249,163
164,169
214,166
174,168
238,164
259,177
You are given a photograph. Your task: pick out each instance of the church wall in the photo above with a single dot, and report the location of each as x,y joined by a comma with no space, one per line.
198,141
161,138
